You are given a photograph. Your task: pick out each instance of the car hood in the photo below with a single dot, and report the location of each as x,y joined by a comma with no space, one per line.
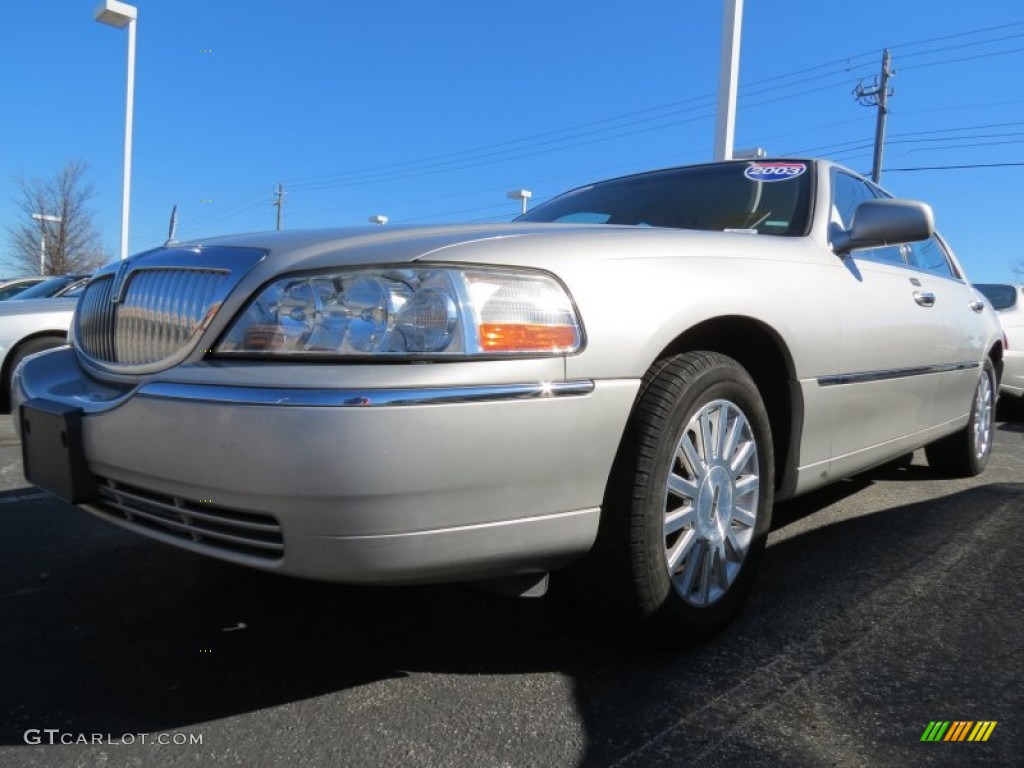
373,245
324,249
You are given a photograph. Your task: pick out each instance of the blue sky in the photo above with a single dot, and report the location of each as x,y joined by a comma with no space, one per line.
429,112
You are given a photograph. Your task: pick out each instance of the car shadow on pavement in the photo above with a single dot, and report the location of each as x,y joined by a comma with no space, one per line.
845,643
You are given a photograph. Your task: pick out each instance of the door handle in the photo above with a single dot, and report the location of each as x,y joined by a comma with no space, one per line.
924,298
977,306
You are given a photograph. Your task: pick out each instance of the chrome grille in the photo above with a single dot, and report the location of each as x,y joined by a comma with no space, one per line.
95,319
212,527
159,315
161,310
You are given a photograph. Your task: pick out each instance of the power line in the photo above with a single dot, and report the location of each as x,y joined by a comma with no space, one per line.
958,34
373,171
653,118
962,45
968,146
962,59
957,167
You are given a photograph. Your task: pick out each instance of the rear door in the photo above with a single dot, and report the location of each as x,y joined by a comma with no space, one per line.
962,345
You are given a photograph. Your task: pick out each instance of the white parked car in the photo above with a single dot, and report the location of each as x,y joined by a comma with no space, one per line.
33,325
625,380
1008,301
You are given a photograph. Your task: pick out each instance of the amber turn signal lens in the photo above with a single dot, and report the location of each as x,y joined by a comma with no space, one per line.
518,337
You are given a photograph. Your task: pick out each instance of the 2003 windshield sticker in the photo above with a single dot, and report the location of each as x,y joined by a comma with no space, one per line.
774,171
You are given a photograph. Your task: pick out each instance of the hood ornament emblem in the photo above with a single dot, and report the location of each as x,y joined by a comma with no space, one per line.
116,294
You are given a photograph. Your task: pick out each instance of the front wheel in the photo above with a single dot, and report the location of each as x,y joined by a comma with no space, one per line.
689,503
966,453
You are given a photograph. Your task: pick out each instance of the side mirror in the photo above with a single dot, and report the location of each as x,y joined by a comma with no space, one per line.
885,222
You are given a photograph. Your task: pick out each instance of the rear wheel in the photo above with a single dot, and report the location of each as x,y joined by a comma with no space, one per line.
966,453
689,503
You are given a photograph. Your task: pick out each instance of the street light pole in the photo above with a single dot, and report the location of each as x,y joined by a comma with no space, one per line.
120,15
725,122
520,194
42,218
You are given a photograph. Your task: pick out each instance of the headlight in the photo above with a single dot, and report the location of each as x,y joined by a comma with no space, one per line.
417,311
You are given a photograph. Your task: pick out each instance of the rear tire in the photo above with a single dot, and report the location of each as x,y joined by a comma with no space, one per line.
688,505
966,453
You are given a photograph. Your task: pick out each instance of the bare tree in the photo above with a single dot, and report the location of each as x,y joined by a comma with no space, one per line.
57,227
1018,269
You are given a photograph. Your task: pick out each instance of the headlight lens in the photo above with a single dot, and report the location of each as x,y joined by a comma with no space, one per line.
418,311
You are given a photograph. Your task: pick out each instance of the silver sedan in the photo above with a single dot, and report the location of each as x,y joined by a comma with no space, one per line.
621,383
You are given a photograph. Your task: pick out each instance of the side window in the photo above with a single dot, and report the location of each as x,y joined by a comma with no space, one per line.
847,193
929,256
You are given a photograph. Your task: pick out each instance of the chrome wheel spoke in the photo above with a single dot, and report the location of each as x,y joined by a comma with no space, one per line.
735,430
722,431
742,457
707,444
683,548
693,563
693,460
747,484
744,517
679,519
681,487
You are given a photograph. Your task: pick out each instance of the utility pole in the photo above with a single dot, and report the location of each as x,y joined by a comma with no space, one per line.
877,95
279,202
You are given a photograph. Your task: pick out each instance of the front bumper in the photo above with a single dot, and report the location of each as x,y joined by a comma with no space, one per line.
399,485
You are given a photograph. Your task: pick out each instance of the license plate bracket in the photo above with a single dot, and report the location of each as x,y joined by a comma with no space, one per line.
52,451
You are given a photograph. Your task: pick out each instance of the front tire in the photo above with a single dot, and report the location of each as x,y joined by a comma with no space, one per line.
688,506
966,453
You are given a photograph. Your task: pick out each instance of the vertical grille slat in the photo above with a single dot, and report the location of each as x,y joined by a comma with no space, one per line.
159,316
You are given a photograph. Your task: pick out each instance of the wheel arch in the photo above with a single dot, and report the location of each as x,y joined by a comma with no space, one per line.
766,357
995,354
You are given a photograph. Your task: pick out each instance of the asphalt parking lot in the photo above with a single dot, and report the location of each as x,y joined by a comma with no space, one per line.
889,601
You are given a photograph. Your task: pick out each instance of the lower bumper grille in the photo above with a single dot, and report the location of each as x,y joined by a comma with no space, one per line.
213,527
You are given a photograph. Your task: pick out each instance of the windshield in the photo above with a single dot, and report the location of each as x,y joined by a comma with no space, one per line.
47,288
1000,295
769,198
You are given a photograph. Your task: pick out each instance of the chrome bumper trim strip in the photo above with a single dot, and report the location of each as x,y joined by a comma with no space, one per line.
362,398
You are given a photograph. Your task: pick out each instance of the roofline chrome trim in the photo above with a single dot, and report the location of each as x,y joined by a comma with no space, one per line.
896,373
362,398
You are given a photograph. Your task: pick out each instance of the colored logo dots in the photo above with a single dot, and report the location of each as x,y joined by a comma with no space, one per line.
958,730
